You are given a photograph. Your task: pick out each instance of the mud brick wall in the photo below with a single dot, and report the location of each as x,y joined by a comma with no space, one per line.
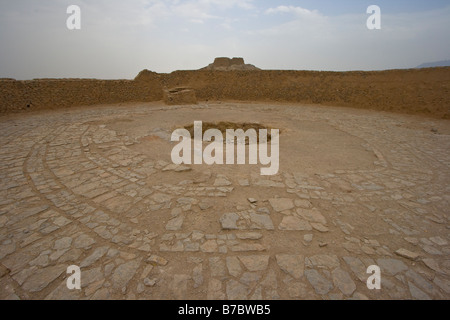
51,94
423,91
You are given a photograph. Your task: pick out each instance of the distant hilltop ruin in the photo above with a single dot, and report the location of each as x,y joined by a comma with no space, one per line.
227,64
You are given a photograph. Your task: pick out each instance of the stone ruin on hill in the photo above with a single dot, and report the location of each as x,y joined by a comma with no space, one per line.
227,64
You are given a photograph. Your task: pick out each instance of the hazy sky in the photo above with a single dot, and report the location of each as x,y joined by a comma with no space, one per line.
119,38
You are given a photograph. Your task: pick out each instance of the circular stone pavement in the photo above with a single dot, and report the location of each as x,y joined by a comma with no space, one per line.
95,187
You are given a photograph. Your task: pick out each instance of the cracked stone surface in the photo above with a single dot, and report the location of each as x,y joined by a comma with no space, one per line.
95,187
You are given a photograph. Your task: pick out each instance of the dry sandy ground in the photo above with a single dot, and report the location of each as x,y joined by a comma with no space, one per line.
95,187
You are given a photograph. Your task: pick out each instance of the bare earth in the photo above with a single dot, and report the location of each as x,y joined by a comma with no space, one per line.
95,187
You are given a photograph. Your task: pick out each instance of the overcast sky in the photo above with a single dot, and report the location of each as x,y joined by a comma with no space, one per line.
120,38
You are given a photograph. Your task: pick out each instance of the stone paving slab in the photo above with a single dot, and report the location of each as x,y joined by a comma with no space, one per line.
94,187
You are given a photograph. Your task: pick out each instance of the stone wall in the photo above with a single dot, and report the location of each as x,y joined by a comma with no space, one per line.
52,93
425,91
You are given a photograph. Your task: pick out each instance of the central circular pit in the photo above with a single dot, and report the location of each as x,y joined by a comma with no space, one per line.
311,147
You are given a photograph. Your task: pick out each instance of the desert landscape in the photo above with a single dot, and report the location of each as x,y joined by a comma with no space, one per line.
363,180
